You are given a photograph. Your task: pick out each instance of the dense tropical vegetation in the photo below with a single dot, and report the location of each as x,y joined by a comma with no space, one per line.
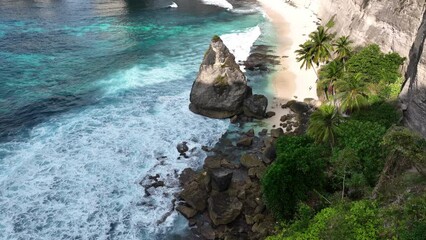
356,173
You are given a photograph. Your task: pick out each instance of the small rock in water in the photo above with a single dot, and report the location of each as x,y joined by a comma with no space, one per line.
263,132
182,148
234,119
270,114
250,133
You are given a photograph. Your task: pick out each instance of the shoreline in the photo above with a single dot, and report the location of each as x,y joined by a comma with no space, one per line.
289,82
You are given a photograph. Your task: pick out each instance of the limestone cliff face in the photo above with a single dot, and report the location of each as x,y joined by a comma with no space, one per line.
396,25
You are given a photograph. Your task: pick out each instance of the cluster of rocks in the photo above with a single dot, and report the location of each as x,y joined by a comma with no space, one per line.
296,122
261,59
224,199
221,90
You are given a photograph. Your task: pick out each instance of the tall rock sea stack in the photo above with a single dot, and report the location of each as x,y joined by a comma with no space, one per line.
396,25
221,87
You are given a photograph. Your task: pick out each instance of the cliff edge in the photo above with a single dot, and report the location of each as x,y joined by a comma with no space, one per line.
396,25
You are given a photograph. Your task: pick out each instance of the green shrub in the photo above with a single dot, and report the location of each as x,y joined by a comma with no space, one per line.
299,169
364,138
357,220
375,65
383,113
215,38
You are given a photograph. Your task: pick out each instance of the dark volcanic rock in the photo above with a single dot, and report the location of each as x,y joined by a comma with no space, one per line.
245,142
224,208
182,148
221,87
187,176
250,160
270,153
212,162
299,107
195,193
270,114
277,132
255,106
221,179
260,59
186,211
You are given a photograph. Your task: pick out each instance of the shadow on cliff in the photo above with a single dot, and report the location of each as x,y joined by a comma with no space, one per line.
413,105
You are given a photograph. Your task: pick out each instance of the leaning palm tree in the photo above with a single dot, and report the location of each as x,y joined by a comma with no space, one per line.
342,48
305,55
328,75
352,91
323,124
322,46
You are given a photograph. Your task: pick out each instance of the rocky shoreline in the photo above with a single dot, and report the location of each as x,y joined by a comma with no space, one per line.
223,200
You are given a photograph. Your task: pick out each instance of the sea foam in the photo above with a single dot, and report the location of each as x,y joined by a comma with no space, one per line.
219,3
240,43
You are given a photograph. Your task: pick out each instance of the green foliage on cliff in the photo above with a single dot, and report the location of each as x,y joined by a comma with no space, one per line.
374,172
323,124
375,65
383,113
364,139
357,220
299,169
363,220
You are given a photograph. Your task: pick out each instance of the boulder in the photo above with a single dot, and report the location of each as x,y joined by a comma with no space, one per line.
270,114
223,208
182,148
284,118
263,132
186,211
195,196
245,142
250,160
234,119
187,176
250,133
221,87
288,104
299,107
270,154
255,106
221,179
212,162
277,132
257,172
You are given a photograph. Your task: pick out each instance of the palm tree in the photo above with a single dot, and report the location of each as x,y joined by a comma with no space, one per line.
322,46
352,92
305,55
343,49
323,124
328,75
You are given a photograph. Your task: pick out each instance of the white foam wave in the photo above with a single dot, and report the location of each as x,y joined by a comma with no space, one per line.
173,5
245,10
219,3
142,75
240,43
77,176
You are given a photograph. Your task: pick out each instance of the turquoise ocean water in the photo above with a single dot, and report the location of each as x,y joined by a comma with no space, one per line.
93,98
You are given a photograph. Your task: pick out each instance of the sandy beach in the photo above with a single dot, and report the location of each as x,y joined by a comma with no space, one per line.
293,23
